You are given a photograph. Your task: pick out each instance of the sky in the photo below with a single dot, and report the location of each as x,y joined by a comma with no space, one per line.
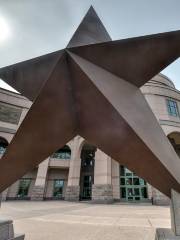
30,28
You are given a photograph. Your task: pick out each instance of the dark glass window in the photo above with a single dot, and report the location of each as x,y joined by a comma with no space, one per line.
24,185
130,192
87,185
58,188
122,181
123,192
133,188
136,181
88,157
136,191
137,198
63,153
172,108
3,145
144,192
128,181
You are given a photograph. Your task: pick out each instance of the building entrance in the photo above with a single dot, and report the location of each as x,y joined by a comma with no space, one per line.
58,188
132,187
87,187
87,171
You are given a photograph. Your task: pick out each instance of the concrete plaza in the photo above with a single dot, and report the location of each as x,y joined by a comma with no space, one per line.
52,220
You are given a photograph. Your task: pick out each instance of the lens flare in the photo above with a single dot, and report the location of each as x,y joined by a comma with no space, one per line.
4,30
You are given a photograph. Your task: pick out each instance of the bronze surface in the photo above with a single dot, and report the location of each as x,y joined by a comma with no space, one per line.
91,89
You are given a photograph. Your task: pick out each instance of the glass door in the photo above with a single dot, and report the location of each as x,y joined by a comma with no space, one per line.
58,188
87,187
132,187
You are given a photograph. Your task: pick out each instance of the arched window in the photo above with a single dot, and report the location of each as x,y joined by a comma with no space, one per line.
63,153
174,139
3,145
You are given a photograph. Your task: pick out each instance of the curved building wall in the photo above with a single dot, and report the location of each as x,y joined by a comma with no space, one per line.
158,92
163,97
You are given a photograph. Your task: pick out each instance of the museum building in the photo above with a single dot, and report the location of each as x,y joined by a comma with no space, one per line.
80,171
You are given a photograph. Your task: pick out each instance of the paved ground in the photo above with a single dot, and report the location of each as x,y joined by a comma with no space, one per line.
83,221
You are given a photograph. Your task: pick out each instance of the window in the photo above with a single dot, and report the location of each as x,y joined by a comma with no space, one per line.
88,161
132,187
58,188
63,153
3,145
88,155
172,108
24,185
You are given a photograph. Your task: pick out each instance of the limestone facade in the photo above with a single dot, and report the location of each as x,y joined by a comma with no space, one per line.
81,172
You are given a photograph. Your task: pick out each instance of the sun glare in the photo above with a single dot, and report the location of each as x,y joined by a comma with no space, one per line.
4,30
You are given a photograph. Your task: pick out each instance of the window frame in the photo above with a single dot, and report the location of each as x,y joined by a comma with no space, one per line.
172,107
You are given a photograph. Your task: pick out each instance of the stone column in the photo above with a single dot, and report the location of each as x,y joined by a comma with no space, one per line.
4,195
102,188
115,180
73,188
40,183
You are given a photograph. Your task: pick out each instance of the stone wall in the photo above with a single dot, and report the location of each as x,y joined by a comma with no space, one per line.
102,193
159,198
72,193
37,193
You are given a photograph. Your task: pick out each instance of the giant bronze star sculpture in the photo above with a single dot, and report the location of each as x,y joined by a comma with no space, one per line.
91,89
